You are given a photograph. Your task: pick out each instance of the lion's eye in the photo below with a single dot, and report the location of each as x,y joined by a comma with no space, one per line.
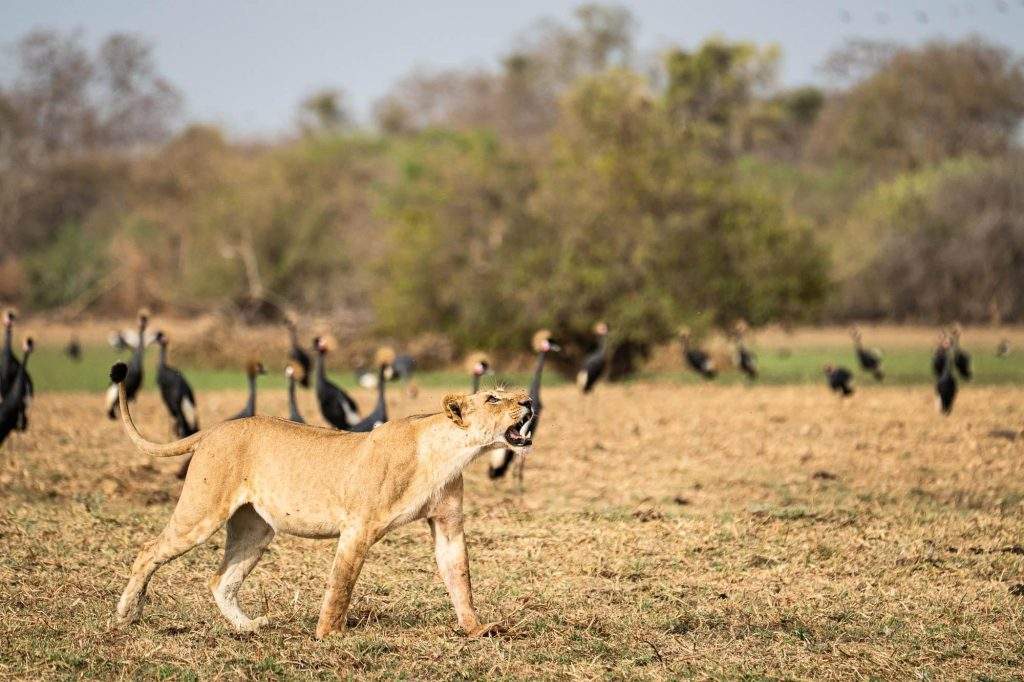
492,399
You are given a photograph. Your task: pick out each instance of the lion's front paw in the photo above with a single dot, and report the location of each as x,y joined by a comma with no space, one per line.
485,630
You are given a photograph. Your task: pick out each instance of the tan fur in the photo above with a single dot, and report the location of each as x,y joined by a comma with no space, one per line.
265,475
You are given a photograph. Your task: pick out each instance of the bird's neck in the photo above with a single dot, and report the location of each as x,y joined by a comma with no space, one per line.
251,405
291,391
538,370
380,384
320,372
8,331
162,362
476,382
140,350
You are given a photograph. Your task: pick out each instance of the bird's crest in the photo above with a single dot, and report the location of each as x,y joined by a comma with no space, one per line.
385,355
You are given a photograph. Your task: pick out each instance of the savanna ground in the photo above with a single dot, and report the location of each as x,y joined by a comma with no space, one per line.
666,531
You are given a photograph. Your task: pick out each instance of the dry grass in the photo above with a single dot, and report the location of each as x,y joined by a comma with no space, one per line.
666,532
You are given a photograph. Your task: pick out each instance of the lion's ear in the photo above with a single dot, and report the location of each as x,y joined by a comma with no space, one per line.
455,408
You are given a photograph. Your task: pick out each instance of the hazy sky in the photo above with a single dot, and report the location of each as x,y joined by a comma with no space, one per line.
245,64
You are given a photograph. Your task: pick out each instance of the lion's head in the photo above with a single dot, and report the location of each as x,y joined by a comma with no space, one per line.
497,417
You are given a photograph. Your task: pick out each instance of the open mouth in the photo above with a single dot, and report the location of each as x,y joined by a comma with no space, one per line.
520,434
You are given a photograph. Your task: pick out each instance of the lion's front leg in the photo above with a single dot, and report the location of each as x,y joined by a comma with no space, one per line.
453,560
348,561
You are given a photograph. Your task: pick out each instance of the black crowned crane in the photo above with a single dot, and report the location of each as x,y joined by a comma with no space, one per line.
13,405
253,369
337,407
74,349
293,407
175,392
385,356
745,358
839,380
696,359
10,368
133,380
870,360
945,385
479,364
297,355
961,358
502,458
595,363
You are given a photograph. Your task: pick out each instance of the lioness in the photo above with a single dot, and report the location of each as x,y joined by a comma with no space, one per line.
264,475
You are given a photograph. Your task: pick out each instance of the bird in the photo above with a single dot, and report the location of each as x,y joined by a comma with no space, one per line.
74,349
9,369
595,363
176,392
745,358
699,361
293,407
127,339
298,355
945,386
12,407
870,359
478,364
385,356
961,358
253,369
135,369
839,379
1003,349
502,458
336,406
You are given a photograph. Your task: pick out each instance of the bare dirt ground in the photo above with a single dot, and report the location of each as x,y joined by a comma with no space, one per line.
665,532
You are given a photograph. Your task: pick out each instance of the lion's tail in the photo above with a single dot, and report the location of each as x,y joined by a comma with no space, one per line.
179,447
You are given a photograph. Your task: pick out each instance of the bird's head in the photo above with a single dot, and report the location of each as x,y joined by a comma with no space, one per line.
601,328
478,364
384,357
144,317
292,371
829,368
9,316
27,345
254,368
543,342
161,338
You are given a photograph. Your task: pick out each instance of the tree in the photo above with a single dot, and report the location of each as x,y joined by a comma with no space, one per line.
324,112
949,244
923,105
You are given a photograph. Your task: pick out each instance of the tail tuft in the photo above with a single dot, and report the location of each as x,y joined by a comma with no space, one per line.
118,372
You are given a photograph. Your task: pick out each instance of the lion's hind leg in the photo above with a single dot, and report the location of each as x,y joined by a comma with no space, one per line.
247,538
183,532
